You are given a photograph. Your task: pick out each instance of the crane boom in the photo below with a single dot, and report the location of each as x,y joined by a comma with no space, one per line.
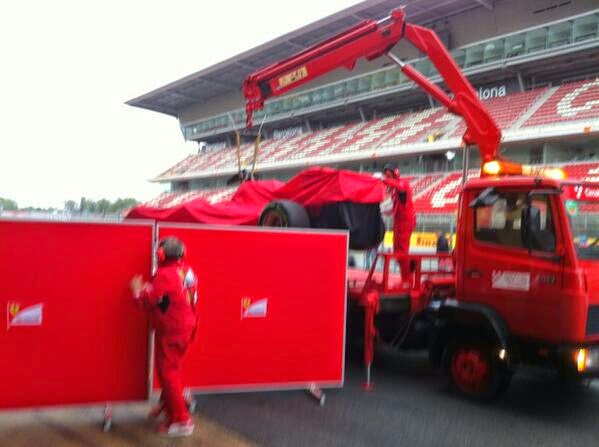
372,39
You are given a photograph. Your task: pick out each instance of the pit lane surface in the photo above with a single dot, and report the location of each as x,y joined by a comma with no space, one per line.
82,427
410,406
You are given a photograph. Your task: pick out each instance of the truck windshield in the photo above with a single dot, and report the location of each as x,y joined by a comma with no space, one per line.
584,221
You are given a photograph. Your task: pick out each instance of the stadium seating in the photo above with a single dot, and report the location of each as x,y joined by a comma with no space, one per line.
180,168
585,171
435,193
367,135
442,197
507,109
170,199
417,127
421,183
570,102
574,102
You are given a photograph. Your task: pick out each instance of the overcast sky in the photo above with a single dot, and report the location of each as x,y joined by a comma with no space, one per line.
67,67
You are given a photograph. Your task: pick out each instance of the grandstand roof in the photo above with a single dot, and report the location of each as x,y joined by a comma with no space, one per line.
227,76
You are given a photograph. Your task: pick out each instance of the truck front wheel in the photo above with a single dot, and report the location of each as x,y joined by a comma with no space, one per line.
475,370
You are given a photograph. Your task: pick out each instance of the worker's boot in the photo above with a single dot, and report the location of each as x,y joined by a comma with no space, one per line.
176,429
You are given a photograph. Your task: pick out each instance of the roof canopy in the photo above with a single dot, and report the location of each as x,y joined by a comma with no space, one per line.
227,76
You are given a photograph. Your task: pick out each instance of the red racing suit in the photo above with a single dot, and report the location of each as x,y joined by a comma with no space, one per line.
404,219
171,301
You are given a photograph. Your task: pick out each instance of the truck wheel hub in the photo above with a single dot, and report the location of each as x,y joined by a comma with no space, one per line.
470,370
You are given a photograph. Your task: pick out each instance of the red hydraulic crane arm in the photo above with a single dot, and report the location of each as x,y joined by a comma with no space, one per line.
371,39
368,39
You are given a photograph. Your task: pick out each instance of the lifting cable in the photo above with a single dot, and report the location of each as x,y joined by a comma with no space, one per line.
238,137
257,148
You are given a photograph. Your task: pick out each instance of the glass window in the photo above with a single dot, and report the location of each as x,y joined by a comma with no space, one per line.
352,87
328,94
514,45
584,223
339,90
459,56
585,27
543,236
536,40
285,105
494,50
559,34
424,66
391,77
272,108
364,84
378,80
296,103
501,223
474,56
305,100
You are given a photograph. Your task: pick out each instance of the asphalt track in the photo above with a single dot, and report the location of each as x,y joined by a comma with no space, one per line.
410,406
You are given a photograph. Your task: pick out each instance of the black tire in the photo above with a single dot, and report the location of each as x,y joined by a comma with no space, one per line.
284,213
474,369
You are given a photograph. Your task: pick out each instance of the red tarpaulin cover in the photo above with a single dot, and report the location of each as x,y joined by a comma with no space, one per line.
313,187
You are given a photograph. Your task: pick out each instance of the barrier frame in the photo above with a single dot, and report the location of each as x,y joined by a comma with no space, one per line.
313,388
107,413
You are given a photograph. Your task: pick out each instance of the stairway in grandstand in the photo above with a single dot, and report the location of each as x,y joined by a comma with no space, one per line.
547,107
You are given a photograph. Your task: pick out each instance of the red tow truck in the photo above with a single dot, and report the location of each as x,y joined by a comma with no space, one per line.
521,286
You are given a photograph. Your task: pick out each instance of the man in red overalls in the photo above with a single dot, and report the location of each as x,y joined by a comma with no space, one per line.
404,218
170,299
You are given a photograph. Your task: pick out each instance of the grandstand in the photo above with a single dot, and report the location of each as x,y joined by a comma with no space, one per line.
534,63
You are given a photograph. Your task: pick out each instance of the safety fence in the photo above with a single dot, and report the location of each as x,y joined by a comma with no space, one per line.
271,315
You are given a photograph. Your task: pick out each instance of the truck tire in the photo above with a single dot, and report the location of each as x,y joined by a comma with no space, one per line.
284,213
474,369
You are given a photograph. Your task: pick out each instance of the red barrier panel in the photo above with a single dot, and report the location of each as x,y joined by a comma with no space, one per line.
68,330
272,307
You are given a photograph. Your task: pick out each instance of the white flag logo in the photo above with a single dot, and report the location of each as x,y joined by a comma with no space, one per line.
256,309
30,316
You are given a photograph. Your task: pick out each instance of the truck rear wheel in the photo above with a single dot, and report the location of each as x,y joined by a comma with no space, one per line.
284,213
475,370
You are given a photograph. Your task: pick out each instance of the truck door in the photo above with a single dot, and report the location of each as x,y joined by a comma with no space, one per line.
522,283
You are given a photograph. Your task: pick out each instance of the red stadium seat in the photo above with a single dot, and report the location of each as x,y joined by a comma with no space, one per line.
570,102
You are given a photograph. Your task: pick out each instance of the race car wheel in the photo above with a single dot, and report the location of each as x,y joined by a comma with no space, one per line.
284,213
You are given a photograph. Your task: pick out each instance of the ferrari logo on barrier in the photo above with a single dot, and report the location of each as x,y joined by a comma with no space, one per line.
29,316
253,309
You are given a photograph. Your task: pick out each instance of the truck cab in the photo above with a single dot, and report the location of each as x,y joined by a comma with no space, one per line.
526,281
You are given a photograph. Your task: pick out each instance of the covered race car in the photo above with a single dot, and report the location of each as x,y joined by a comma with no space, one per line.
317,197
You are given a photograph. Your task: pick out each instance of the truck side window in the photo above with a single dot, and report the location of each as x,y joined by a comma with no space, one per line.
544,238
501,222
